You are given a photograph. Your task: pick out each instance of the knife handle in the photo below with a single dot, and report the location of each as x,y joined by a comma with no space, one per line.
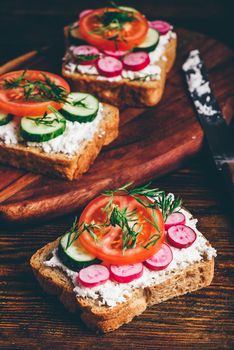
228,174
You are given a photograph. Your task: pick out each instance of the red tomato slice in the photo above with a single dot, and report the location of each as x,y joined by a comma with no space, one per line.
109,245
12,100
95,29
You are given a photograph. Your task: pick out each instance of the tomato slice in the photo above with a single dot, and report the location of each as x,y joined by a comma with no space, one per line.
113,29
109,244
13,100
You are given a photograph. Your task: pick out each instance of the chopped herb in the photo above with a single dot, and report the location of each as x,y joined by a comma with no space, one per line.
49,120
81,103
86,58
144,78
37,90
167,203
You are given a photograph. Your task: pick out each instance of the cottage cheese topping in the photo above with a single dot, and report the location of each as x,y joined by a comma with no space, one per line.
151,72
9,133
73,139
112,293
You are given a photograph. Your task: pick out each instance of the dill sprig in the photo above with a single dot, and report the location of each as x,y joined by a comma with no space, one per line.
81,103
86,58
128,222
149,197
49,120
144,78
37,90
77,229
112,24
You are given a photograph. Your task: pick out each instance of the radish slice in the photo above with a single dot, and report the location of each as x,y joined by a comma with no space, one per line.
109,66
126,273
116,54
93,275
85,12
161,26
136,61
181,236
174,219
161,259
86,51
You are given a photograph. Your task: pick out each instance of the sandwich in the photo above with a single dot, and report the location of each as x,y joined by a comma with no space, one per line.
119,56
47,129
130,249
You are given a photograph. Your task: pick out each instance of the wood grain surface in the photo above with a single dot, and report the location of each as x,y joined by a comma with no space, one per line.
30,319
151,142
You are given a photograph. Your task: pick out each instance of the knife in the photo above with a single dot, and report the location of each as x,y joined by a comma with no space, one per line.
218,135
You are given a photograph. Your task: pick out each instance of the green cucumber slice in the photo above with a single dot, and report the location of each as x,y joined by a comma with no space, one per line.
81,108
74,36
150,42
5,118
43,128
75,257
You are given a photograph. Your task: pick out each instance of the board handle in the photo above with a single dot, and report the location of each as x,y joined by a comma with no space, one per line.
18,61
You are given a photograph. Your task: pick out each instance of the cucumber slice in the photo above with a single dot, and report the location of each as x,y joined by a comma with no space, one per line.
75,257
5,118
74,36
150,42
42,129
127,8
81,108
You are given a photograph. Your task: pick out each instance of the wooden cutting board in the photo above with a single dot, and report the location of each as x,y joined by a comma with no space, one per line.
151,143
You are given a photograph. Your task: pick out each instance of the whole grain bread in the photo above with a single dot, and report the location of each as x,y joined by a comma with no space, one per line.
125,93
59,164
103,318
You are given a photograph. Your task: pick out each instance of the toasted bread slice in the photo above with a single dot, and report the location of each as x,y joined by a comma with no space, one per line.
59,164
104,318
124,92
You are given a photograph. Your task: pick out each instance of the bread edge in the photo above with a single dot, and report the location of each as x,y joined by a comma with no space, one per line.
60,165
125,93
105,319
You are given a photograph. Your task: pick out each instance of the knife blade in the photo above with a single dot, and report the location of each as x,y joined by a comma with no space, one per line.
218,135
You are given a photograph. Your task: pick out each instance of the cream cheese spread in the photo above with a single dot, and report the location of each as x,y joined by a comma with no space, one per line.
74,138
111,292
151,72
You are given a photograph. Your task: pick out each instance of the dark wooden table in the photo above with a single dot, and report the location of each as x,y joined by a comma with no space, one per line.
32,320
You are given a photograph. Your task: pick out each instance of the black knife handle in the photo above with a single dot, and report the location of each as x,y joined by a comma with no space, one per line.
227,171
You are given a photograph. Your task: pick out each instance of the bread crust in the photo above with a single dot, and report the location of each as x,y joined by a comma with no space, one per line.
125,93
103,318
60,165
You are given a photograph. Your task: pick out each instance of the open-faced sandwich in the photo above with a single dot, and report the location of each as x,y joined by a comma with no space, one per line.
131,248
47,129
115,53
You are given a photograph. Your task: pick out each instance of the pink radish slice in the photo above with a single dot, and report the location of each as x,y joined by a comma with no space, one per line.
174,219
109,66
181,236
161,259
85,12
93,275
126,273
86,50
136,61
161,26
116,54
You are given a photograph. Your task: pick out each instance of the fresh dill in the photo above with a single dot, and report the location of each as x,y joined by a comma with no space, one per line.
149,197
86,58
49,119
38,89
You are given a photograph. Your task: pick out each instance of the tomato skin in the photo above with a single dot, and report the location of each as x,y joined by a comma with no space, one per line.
20,108
132,35
104,248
